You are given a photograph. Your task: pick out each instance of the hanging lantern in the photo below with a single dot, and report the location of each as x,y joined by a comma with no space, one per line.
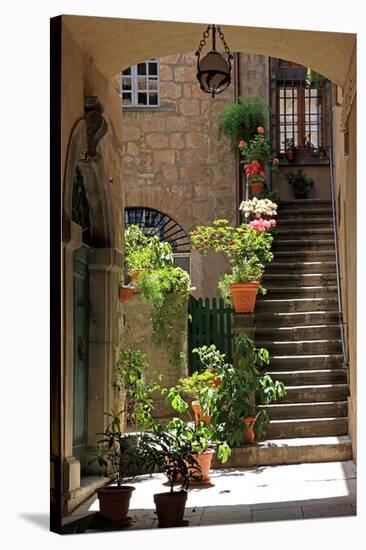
214,69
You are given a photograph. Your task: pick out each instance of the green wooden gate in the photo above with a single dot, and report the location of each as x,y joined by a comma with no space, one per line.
81,345
211,323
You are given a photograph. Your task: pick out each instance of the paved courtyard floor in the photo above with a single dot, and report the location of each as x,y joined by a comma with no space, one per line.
266,493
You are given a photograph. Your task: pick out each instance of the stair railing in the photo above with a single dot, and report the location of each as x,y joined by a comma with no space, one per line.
335,235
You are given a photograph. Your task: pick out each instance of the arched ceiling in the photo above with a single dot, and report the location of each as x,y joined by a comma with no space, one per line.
115,44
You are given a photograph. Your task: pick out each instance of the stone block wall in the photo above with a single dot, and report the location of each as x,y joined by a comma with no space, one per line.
172,160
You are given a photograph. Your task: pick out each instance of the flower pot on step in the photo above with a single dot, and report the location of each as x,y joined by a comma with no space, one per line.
244,296
249,422
204,461
114,502
198,416
170,508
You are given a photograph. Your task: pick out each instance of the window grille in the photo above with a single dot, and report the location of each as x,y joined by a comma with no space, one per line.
140,84
153,222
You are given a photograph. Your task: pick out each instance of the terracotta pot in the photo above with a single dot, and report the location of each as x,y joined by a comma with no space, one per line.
125,294
198,416
204,462
170,508
114,502
249,432
291,154
244,296
256,189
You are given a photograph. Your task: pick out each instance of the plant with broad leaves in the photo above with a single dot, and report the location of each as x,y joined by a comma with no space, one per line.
146,251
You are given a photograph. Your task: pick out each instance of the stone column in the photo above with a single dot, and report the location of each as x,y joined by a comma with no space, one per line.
105,267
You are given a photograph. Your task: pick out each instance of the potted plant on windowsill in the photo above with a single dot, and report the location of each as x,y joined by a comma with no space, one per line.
118,456
300,182
171,453
290,149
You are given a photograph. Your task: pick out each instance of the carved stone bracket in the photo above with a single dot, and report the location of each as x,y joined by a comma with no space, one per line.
96,126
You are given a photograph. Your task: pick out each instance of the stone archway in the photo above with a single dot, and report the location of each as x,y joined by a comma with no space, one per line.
104,264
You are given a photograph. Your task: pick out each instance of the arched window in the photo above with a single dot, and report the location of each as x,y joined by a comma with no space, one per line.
153,222
80,206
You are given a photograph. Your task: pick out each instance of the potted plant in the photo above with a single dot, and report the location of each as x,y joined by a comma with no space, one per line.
171,453
301,183
247,250
256,158
145,252
290,149
255,208
204,443
118,456
236,413
239,121
132,369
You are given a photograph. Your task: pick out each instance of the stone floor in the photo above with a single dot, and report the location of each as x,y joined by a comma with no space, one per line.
266,493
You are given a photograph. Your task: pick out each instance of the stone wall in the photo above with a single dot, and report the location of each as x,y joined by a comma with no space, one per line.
172,160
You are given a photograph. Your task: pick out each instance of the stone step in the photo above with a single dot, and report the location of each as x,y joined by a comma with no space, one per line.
315,393
299,268
304,233
308,377
304,203
289,451
295,305
307,222
306,427
304,279
273,319
306,362
295,256
301,347
297,333
289,292
302,245
303,213
328,409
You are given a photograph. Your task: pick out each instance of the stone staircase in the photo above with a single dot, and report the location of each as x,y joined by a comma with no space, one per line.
298,322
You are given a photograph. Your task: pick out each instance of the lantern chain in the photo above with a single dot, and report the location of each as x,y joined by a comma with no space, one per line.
206,34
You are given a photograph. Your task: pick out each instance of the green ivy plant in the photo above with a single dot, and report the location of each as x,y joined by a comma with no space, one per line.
166,290
239,121
145,251
132,368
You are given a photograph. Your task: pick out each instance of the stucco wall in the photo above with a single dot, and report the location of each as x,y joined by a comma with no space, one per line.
320,175
346,192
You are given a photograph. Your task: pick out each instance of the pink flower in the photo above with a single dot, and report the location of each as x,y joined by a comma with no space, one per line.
241,143
260,130
276,161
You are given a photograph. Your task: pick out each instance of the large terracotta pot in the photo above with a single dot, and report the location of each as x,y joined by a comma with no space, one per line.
244,296
170,508
204,462
249,432
126,293
256,189
114,502
198,416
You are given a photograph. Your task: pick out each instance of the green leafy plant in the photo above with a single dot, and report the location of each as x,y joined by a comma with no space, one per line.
171,452
166,290
118,454
239,121
300,181
247,272
314,79
237,391
144,251
132,369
